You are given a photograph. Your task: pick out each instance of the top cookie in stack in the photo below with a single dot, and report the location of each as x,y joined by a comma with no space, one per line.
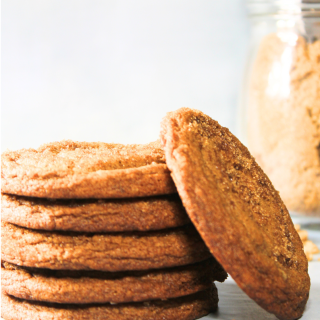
68,169
68,243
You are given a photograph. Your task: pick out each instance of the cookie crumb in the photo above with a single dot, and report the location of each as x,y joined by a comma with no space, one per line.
297,227
309,247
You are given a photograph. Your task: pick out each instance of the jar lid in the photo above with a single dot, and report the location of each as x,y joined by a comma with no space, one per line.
302,7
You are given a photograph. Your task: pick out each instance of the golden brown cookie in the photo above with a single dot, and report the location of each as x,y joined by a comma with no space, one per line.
69,169
186,308
237,211
107,252
139,214
63,286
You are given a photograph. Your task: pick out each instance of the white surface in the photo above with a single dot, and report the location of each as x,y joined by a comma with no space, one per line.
93,70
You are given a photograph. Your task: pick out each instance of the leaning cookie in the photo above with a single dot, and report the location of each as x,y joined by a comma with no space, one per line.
139,214
237,211
187,308
69,169
107,252
64,286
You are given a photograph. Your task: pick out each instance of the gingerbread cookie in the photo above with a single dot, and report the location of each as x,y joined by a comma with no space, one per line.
237,211
64,286
69,169
187,308
107,252
140,214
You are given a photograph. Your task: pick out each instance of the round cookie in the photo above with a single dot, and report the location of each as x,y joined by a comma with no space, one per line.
101,287
237,212
69,169
106,252
187,308
139,214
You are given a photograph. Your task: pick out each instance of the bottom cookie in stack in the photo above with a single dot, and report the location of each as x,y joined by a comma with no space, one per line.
187,308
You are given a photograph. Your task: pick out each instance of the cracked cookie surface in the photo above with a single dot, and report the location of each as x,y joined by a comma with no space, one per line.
237,211
69,169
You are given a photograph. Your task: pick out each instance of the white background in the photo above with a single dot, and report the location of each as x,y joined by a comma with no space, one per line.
109,70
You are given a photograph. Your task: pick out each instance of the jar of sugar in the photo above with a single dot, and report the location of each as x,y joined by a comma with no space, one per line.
280,104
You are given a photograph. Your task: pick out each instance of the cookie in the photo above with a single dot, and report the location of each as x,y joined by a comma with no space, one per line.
187,308
139,214
107,252
100,287
69,169
237,211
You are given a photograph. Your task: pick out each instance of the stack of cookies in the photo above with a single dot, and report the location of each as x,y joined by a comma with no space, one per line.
98,231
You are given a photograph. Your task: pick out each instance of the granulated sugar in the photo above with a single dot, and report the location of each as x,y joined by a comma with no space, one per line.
284,118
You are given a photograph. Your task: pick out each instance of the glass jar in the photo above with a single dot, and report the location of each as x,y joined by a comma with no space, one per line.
280,104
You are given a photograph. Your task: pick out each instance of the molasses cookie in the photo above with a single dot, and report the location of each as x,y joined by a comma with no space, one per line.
69,169
104,251
64,286
139,214
237,211
187,308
